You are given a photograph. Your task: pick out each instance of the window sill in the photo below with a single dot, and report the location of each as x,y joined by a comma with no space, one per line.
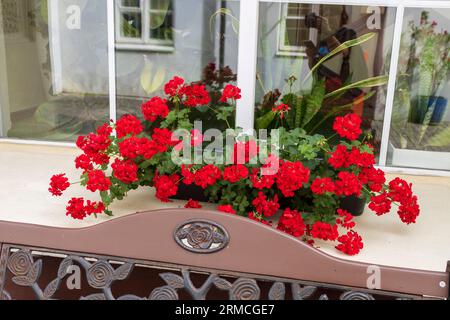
144,47
26,170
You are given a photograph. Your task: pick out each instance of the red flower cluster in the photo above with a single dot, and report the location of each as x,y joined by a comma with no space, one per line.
399,191
346,219
342,158
350,243
235,173
266,207
94,146
128,125
166,186
291,177
322,185
380,204
192,204
207,176
348,126
261,181
155,108
173,87
58,184
230,92
97,181
292,223
196,95
78,210
125,170
347,184
324,231
227,208
374,178
281,109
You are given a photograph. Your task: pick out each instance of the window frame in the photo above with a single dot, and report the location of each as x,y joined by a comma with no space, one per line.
145,42
292,50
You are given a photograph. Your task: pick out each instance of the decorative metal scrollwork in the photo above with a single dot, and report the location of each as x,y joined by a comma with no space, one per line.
201,236
24,271
355,295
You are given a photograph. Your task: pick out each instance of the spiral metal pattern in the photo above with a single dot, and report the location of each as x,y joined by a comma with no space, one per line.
200,236
100,275
164,293
19,263
245,289
354,295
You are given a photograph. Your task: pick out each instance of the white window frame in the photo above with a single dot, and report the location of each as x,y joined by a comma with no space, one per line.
291,50
145,43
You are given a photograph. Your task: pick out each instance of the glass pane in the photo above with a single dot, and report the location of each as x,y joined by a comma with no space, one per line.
161,22
202,47
296,33
353,80
131,3
53,68
298,9
131,25
420,127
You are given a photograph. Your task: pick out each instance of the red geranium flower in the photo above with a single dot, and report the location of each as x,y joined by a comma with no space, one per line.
83,161
125,170
409,210
207,176
196,95
76,209
97,181
339,157
261,181
291,177
346,219
322,185
292,223
281,109
128,124
155,108
380,204
188,176
230,92
166,186
266,207
373,177
227,208
350,243
324,231
347,184
235,173
58,184
192,204
173,86
348,126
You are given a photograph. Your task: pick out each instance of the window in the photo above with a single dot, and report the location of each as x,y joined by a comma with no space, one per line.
293,32
144,25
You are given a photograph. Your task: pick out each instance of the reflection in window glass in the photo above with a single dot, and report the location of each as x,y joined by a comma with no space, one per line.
53,68
420,127
203,48
294,38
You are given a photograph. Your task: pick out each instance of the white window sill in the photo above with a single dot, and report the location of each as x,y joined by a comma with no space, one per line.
144,47
25,171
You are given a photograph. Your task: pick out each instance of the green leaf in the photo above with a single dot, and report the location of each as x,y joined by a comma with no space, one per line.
314,101
345,45
366,83
441,139
225,12
264,121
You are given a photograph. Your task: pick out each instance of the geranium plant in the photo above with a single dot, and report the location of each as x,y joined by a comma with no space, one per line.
300,182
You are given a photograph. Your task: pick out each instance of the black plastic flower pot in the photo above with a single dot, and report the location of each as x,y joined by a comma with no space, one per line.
193,192
353,205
